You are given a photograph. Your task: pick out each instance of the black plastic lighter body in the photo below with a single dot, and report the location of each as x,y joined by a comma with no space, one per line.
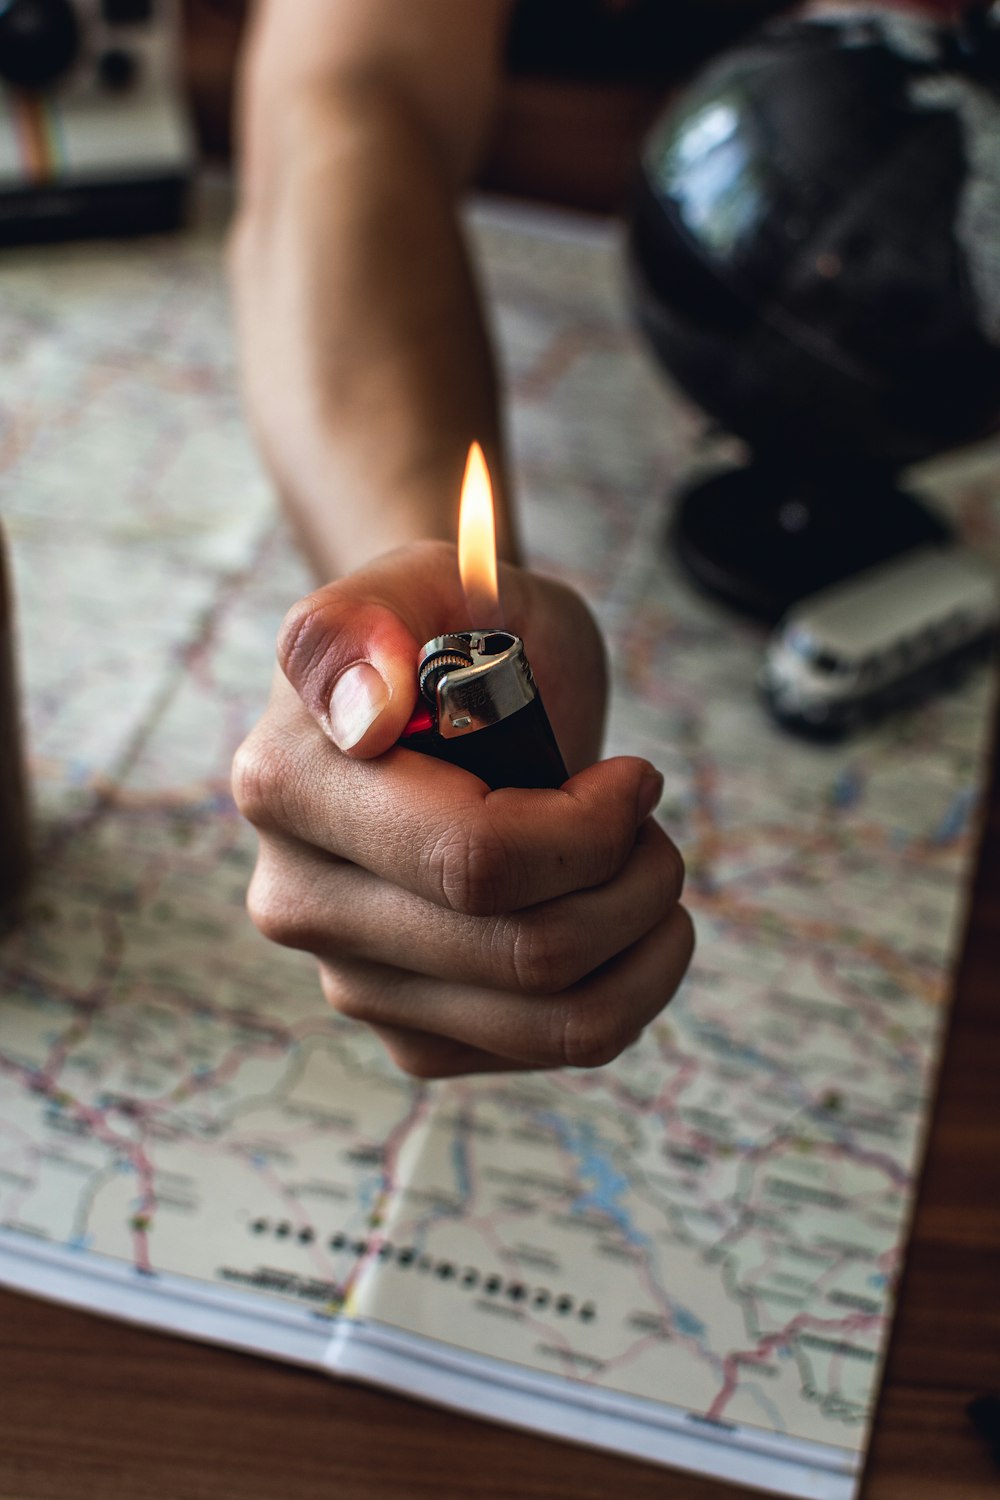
480,710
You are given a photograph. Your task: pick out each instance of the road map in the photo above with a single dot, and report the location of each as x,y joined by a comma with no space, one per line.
689,1255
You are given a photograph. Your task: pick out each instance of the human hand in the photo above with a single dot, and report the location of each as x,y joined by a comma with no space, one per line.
474,931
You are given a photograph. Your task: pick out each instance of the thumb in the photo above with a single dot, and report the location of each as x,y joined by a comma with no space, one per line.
353,663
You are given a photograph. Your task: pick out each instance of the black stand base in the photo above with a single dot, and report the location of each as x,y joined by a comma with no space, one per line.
763,537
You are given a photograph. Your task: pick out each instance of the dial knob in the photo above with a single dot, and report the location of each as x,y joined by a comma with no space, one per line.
39,40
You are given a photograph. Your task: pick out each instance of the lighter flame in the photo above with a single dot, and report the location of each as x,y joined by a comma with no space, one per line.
477,543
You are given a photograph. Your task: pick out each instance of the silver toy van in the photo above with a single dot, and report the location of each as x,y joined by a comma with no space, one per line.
885,637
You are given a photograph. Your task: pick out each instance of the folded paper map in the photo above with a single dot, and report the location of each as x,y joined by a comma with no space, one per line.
689,1255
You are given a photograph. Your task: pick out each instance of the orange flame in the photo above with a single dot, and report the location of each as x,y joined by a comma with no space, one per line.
477,543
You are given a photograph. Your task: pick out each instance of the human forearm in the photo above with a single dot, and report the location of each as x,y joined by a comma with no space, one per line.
366,366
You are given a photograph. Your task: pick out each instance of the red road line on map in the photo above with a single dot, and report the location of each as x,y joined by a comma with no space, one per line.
767,1345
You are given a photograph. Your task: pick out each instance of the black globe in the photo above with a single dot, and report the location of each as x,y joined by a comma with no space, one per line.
39,41
815,240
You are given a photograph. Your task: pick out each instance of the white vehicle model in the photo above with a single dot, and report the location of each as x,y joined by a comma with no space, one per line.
884,637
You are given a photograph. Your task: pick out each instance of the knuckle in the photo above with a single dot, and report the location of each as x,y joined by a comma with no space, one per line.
420,1065
351,1002
592,1037
298,638
546,953
665,866
343,993
666,883
676,873
613,842
419,1057
470,871
688,935
260,773
270,910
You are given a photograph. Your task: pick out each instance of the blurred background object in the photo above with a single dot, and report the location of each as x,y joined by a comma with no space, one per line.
815,255
847,655
94,130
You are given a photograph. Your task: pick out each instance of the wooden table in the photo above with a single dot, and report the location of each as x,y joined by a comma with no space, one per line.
93,1410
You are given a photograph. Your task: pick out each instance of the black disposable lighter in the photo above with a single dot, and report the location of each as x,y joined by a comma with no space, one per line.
481,710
